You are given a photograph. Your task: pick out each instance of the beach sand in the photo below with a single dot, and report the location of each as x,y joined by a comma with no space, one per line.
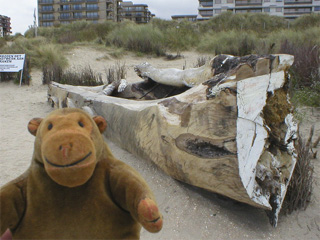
189,212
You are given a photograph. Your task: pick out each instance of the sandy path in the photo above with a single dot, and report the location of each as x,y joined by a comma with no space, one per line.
189,212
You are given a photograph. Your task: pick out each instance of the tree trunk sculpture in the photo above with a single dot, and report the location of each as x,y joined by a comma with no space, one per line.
232,134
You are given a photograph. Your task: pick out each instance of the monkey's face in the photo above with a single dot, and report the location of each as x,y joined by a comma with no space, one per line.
68,145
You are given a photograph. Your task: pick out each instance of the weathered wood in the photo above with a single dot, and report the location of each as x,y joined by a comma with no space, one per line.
233,134
175,77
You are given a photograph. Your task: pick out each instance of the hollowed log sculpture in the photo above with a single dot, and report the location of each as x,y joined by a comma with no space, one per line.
231,132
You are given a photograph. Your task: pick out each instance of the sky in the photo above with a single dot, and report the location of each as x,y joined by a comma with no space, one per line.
21,11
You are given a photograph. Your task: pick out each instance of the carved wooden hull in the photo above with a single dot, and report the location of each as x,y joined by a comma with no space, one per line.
233,135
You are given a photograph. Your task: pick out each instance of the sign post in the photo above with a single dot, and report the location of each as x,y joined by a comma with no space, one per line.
12,63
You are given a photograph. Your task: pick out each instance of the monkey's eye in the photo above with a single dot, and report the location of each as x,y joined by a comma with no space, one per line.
81,124
50,126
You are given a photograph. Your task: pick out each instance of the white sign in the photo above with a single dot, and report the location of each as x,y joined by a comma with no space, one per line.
11,62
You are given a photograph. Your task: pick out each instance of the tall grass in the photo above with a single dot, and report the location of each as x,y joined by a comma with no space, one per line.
40,51
236,34
229,42
178,36
77,77
260,23
79,31
299,191
138,38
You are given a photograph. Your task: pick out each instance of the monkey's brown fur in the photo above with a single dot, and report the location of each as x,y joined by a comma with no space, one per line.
75,188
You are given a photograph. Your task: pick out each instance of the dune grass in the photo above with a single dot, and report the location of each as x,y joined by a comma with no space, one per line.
236,34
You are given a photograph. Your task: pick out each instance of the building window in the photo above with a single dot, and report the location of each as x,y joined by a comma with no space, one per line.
77,7
278,9
317,8
241,11
92,7
92,15
266,0
47,16
278,0
64,15
206,13
206,4
77,15
218,1
47,24
217,11
266,9
46,1
230,1
65,7
47,8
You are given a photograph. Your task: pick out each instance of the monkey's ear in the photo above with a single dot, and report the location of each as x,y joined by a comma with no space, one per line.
33,125
101,123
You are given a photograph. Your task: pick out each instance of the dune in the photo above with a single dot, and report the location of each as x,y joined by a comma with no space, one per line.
189,212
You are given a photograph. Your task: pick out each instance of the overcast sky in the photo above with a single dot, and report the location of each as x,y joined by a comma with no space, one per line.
21,11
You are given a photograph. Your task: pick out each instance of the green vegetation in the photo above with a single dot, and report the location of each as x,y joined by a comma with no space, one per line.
77,77
236,34
137,38
40,50
299,191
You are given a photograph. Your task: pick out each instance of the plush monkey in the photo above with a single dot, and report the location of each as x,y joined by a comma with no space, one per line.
75,188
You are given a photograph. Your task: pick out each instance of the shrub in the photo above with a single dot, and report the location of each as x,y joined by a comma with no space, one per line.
138,38
260,23
49,55
231,42
77,77
299,190
305,72
181,35
307,21
116,72
273,42
3,42
39,50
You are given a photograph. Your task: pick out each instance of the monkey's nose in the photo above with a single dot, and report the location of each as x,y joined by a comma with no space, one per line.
65,149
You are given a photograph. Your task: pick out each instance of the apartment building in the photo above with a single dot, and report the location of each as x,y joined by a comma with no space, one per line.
5,26
138,13
55,12
289,9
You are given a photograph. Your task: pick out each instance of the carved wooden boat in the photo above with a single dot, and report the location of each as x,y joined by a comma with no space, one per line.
232,134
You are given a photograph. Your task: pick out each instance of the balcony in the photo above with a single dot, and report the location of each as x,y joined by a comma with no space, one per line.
249,3
92,16
296,11
69,18
42,2
293,2
76,1
47,18
72,9
92,8
46,10
65,18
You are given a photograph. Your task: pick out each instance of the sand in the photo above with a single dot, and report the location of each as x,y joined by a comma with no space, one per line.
189,212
